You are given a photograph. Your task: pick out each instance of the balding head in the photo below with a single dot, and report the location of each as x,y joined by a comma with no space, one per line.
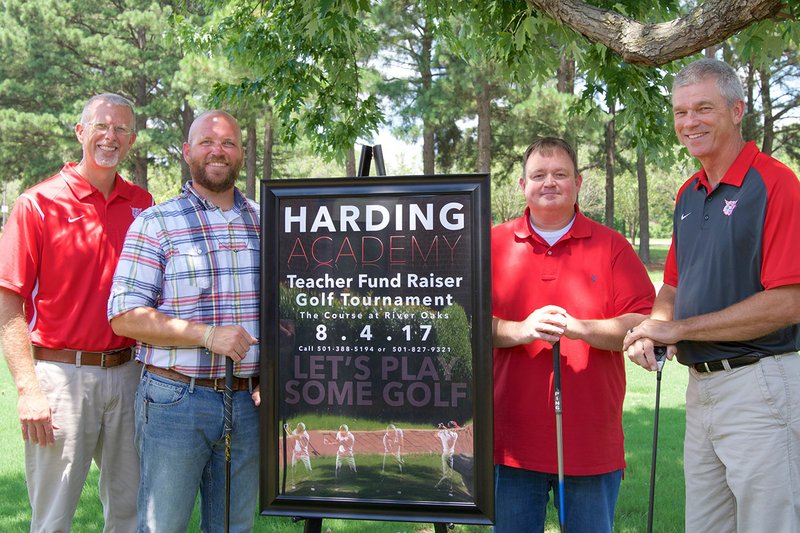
213,115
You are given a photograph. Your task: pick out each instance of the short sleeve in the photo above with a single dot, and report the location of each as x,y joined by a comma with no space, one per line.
139,275
20,247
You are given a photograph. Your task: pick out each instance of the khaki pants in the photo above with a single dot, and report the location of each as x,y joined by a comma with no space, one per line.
742,448
93,409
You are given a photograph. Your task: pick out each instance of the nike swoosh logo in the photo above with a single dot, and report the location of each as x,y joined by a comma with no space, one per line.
73,219
684,215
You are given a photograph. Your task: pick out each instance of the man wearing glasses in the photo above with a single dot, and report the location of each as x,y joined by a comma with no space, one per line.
75,378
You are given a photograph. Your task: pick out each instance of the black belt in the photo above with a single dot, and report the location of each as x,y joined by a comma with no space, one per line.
727,364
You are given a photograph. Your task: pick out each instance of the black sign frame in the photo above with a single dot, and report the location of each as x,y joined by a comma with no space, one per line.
274,193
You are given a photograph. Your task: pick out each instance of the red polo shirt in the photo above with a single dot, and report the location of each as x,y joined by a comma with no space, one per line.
593,273
59,250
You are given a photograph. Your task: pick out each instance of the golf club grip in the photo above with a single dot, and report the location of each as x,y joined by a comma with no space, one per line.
228,396
557,366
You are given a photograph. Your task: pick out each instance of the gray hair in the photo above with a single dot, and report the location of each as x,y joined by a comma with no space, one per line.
728,83
109,98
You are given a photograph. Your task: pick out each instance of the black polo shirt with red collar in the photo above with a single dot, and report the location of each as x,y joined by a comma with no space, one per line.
732,242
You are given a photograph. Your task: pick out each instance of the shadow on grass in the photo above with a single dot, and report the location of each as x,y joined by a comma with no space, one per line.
15,511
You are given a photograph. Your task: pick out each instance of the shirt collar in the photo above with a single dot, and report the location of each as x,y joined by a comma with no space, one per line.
580,229
82,189
737,171
238,198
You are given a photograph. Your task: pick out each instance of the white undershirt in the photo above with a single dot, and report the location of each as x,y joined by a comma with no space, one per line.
551,237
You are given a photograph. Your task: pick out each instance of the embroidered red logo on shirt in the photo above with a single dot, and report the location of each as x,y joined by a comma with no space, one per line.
730,205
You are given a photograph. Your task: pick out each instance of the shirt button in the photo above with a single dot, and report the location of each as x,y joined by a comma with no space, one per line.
705,217
549,252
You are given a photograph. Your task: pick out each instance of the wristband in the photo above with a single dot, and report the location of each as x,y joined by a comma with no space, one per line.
208,337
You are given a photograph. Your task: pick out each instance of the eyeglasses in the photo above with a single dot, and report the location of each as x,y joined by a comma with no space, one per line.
102,128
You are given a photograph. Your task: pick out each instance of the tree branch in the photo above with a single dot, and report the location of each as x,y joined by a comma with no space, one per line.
709,23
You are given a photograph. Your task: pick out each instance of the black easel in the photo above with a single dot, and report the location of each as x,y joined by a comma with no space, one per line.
368,153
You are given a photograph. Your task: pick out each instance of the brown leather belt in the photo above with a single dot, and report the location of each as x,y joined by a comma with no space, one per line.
727,364
239,384
80,358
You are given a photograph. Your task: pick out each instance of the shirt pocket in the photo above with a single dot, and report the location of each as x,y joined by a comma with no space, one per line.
188,273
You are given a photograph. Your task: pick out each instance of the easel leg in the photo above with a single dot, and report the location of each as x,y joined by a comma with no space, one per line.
313,525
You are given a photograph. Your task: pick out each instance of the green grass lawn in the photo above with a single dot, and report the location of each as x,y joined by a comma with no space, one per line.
631,508
658,255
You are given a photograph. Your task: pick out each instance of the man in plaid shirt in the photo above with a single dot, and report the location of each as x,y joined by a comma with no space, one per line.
187,289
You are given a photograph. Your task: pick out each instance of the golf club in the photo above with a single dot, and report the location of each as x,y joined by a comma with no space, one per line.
285,460
559,435
228,403
661,357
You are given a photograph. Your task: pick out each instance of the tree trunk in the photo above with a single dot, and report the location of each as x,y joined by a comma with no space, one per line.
426,73
139,155
749,120
766,106
566,75
610,147
187,116
566,85
709,23
644,211
350,162
269,144
251,155
139,168
484,101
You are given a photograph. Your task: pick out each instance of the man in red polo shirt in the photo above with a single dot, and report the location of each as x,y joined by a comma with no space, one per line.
75,378
557,275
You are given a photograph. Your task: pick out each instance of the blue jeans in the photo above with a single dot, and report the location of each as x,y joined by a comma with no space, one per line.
179,435
521,500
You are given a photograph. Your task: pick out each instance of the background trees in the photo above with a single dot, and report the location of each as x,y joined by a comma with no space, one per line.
467,85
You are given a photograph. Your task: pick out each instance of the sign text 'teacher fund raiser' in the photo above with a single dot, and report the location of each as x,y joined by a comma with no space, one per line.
376,307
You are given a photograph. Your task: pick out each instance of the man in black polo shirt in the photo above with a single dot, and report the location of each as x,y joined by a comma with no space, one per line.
729,308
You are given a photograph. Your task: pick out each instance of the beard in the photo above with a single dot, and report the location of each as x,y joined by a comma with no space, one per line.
200,176
106,159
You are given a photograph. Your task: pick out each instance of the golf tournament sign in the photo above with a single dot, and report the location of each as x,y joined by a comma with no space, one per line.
376,349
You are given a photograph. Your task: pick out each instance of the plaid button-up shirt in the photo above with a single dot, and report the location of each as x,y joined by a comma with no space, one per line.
188,259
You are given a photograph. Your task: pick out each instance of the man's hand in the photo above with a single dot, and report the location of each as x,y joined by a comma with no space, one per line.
546,323
36,419
640,341
231,341
256,396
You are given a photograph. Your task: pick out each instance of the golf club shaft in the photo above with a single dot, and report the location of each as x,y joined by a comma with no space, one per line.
661,357
559,433
653,459
228,428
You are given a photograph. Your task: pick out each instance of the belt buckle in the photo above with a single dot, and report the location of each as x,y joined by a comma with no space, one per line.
705,364
103,360
215,384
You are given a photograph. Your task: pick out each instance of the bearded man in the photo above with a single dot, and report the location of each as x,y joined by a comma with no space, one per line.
186,288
